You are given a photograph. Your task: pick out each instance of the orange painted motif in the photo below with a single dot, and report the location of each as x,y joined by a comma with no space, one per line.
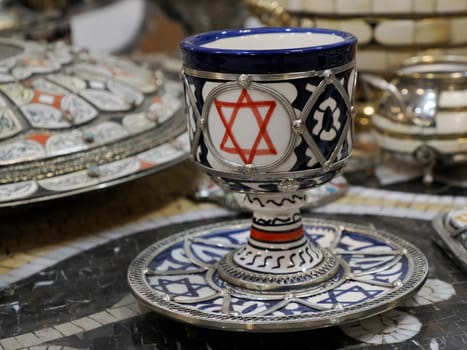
47,99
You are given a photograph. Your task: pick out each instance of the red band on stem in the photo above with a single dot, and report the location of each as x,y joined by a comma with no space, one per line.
277,237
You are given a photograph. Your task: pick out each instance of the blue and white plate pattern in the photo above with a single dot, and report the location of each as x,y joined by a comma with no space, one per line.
178,278
72,121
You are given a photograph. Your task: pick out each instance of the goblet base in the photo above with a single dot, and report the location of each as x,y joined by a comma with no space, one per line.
179,277
240,276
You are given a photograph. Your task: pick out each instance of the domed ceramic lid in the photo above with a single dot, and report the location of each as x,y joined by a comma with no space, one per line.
71,121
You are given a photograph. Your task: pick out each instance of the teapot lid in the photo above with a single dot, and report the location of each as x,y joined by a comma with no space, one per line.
436,67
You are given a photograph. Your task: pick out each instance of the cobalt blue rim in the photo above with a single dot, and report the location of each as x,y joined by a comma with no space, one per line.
195,42
196,56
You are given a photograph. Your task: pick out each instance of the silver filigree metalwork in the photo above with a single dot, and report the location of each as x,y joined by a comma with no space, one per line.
214,303
254,82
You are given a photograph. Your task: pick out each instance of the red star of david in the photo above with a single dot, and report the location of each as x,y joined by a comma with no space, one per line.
245,101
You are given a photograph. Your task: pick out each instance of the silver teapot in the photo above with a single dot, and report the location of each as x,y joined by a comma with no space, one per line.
422,113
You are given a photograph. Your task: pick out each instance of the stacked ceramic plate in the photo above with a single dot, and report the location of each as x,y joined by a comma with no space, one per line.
72,121
388,31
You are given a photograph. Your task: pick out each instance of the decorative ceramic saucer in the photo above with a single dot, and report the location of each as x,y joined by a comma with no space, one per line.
72,121
178,277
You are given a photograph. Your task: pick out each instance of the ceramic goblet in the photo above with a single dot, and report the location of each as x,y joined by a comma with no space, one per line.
270,115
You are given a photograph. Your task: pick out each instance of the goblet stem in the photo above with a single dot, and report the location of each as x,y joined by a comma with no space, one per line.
278,255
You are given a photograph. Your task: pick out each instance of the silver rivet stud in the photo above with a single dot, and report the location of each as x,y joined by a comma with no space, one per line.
249,169
244,80
327,74
201,123
297,126
88,136
93,170
288,185
338,306
397,283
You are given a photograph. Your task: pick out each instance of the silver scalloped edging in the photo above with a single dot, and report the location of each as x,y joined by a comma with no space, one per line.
122,148
167,306
53,188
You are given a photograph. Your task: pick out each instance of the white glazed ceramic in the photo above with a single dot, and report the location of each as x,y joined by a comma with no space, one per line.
376,7
388,31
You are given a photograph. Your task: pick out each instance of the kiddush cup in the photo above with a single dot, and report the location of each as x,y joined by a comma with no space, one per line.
270,114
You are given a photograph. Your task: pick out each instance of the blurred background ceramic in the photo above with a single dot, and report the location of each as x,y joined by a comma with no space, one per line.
422,115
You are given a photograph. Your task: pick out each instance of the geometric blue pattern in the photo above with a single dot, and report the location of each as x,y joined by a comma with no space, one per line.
181,271
359,294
